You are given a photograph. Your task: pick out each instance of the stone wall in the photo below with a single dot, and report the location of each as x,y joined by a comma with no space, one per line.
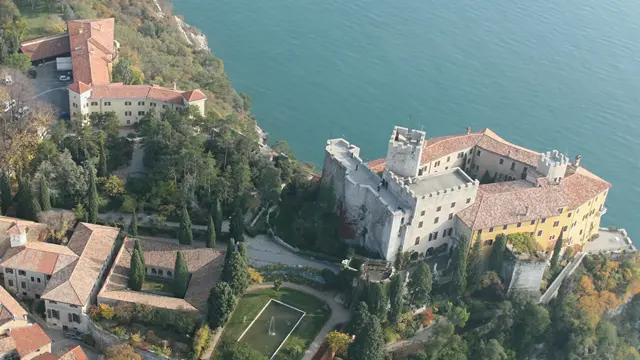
523,275
103,340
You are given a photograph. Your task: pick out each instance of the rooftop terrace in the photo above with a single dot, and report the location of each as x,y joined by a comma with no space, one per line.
440,181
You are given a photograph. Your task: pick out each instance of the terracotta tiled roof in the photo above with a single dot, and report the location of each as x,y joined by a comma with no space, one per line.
46,356
39,257
7,344
16,229
10,306
76,353
29,339
45,47
91,44
73,284
377,165
438,147
193,95
205,266
151,92
79,87
582,187
507,203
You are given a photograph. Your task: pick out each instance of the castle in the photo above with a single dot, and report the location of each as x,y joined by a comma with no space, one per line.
425,193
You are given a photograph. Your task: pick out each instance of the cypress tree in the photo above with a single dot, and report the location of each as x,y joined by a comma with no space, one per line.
102,158
133,227
377,300
242,250
211,234
5,192
180,276
235,272
420,284
556,256
396,299
136,246
236,225
359,319
92,196
137,271
369,344
220,304
45,198
497,253
27,205
474,266
217,218
459,283
486,178
231,248
185,235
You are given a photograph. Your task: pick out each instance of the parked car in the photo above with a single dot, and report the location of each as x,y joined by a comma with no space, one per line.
8,104
64,115
64,77
23,110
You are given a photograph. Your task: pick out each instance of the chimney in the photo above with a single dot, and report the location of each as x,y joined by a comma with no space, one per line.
174,86
576,162
468,130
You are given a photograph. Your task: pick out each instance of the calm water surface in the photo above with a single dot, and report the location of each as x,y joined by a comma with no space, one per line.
545,74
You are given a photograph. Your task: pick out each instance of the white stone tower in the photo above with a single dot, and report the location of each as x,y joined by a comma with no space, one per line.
17,235
553,165
405,151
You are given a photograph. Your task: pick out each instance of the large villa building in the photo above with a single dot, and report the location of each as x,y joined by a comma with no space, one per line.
90,50
423,195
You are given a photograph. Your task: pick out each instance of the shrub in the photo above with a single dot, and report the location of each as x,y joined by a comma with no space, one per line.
106,311
120,332
125,312
166,351
200,341
136,339
255,277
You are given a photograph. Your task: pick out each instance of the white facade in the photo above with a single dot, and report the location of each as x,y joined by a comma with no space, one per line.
25,284
67,316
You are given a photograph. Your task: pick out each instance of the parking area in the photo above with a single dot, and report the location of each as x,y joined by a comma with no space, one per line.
49,88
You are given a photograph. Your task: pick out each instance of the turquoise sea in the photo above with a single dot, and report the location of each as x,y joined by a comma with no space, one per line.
544,73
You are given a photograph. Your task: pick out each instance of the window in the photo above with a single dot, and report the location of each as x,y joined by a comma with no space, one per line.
164,106
94,103
402,220
501,161
477,167
448,158
450,216
75,105
420,224
435,221
94,112
505,227
524,170
160,272
140,113
417,241
543,221
127,113
11,283
531,233
140,102
8,271
107,103
560,210
519,224
556,223
128,122
468,200
422,213
22,272
488,242
154,271
453,204
24,293
435,235
127,103
513,166
450,232
169,273
33,279
533,222
437,164
564,228
539,232
73,306
439,208
52,302
552,237
37,296
460,154
478,153
580,232
152,104
490,229
23,284
569,214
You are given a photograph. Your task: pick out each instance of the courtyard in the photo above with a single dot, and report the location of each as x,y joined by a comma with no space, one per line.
48,88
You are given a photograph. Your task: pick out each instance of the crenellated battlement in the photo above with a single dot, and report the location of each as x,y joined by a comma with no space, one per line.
404,139
553,158
553,165
410,188
399,184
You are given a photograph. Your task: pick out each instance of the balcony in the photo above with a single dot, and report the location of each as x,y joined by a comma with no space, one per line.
603,210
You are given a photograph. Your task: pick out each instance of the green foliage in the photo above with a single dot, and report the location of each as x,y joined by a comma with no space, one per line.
201,341
232,349
236,225
555,258
497,253
486,178
17,61
491,350
242,250
137,271
92,196
6,197
185,235
277,284
68,181
217,217
220,304
376,299
369,344
396,299
420,283
523,243
45,197
125,73
211,234
458,316
180,276
359,319
459,263
102,158
475,266
235,271
133,227
27,204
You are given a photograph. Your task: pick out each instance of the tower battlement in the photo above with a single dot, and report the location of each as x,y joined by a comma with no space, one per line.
405,151
553,165
403,138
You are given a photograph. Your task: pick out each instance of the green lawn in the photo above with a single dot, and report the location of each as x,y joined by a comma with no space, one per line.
317,313
39,20
157,286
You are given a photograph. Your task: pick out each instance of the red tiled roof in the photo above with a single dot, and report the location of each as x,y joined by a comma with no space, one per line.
582,187
152,92
39,257
29,339
193,95
438,147
46,47
46,356
91,44
15,229
75,353
79,87
11,305
377,165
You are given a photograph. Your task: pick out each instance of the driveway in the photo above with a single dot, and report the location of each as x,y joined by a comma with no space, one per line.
60,343
48,88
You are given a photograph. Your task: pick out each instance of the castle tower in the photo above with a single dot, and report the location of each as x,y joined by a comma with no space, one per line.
405,151
553,165
17,235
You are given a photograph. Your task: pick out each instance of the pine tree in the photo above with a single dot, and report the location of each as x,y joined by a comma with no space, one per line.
555,259
459,283
236,225
211,234
27,205
377,299
359,319
217,218
185,235
45,198
92,196
369,344
474,265
133,226
396,299
137,271
236,273
420,284
102,158
180,276
220,304
497,253
6,198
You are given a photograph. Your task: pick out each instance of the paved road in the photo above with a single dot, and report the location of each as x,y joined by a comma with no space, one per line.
419,338
552,291
339,314
60,344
